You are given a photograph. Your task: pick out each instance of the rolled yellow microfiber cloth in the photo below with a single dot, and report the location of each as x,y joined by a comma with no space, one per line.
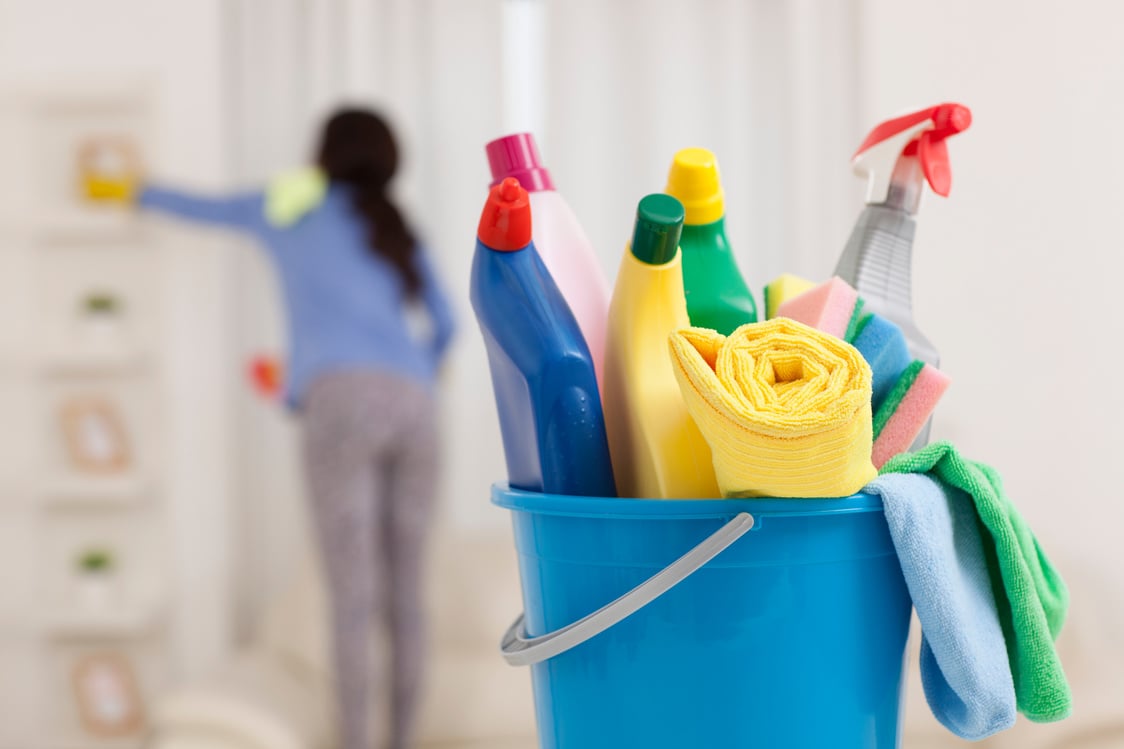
785,408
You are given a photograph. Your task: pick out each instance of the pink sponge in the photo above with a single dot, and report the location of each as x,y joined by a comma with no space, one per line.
828,307
906,409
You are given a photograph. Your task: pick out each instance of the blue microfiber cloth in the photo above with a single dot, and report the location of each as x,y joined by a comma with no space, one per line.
964,667
883,346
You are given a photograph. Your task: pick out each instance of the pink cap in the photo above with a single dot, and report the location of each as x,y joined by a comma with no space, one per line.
516,156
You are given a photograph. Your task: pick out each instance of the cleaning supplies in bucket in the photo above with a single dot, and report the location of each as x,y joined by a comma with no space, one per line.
785,408
907,408
656,448
964,669
898,157
717,295
559,238
637,629
903,395
542,372
832,307
1031,595
883,346
782,288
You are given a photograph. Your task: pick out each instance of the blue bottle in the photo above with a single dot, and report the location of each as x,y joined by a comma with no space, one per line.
542,372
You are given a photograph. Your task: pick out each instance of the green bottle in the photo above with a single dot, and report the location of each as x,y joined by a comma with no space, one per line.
717,295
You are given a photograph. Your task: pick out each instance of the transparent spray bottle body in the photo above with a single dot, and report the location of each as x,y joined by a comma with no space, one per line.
878,257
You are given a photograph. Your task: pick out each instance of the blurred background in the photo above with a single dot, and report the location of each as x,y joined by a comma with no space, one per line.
186,574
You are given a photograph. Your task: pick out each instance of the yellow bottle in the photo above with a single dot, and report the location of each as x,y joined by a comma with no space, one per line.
656,449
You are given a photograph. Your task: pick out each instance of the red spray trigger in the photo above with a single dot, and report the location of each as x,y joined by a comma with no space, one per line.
929,145
933,154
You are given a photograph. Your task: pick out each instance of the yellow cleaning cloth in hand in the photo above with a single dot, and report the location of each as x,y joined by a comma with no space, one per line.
785,408
108,168
109,189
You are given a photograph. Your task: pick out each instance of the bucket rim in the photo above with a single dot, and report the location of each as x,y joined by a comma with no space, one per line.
519,500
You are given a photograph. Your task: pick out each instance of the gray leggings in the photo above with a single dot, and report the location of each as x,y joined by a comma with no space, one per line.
370,453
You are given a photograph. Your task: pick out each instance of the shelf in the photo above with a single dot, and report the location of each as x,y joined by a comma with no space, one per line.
94,492
130,621
92,362
81,226
95,743
79,92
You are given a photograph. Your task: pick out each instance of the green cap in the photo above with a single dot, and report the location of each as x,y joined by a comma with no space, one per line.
659,222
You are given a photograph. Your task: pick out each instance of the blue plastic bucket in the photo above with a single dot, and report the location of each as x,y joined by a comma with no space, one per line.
706,624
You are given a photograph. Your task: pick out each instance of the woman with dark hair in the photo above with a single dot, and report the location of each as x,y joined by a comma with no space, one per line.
362,383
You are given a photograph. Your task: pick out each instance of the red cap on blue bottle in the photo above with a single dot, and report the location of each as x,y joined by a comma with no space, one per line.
505,224
517,156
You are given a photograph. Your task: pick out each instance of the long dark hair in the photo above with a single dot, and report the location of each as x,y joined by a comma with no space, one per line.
357,149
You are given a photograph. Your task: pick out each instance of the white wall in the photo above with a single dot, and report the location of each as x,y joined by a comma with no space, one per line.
1017,276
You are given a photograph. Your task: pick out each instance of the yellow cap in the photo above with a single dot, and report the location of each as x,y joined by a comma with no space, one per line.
693,179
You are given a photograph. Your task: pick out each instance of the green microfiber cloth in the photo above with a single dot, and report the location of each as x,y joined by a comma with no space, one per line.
1029,593
293,194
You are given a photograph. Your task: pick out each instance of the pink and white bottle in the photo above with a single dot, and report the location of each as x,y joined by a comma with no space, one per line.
559,238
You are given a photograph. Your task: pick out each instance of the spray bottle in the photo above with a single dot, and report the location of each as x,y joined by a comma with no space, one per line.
898,157
542,372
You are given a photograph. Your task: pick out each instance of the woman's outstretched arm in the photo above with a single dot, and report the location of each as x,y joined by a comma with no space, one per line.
243,211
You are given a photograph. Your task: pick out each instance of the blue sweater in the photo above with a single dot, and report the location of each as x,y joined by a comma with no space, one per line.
346,308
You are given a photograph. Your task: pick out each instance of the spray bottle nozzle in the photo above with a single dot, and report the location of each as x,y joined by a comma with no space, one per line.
920,135
949,119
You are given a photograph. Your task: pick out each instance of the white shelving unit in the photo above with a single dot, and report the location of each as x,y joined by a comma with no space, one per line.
57,254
